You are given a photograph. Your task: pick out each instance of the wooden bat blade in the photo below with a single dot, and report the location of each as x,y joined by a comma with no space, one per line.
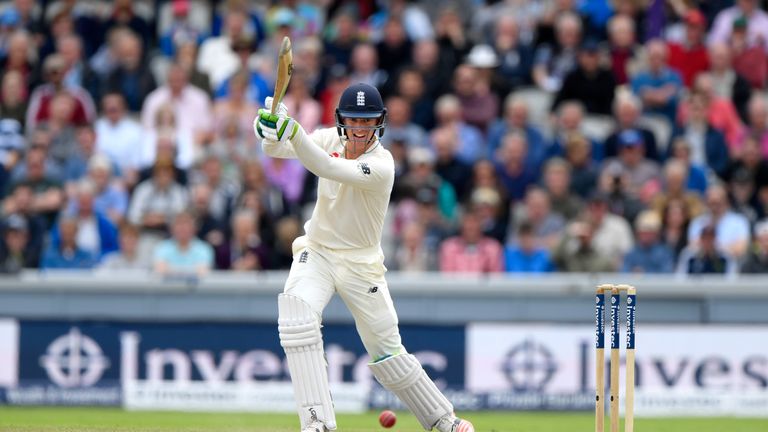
284,71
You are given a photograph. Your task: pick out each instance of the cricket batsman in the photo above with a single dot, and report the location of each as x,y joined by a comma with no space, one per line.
341,252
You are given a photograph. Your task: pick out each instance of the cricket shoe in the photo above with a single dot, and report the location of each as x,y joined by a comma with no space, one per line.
451,423
315,426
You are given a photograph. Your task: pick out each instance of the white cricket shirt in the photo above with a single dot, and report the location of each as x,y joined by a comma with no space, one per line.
352,195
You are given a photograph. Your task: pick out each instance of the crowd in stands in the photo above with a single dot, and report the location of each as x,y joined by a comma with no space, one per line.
528,135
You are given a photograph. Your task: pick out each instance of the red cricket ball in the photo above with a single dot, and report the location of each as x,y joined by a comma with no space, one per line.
387,418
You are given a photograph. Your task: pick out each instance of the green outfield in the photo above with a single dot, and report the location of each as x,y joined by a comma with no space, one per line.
104,419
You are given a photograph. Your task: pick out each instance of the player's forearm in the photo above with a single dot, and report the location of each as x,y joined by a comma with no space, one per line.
311,156
277,149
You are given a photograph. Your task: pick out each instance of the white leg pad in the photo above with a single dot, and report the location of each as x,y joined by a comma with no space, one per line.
302,341
403,375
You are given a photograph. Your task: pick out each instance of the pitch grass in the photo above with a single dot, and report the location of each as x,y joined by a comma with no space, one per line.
109,419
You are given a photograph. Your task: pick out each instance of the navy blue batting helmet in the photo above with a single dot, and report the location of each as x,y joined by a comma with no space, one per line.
361,101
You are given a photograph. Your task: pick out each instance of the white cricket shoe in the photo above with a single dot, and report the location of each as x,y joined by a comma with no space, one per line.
315,426
451,423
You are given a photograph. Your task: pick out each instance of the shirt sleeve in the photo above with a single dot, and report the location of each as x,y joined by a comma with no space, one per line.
373,174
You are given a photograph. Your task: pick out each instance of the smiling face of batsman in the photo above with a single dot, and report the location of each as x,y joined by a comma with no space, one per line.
360,119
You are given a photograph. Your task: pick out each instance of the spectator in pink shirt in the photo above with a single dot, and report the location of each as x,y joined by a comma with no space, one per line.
721,112
470,251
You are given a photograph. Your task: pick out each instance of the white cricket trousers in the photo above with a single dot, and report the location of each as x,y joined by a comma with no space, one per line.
358,276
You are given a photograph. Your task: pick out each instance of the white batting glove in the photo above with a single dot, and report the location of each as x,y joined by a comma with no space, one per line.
275,127
281,109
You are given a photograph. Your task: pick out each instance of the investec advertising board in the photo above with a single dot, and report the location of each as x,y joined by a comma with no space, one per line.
681,370
213,366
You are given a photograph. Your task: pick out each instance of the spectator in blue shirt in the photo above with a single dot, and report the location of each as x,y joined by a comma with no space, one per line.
183,254
62,251
649,255
659,87
525,256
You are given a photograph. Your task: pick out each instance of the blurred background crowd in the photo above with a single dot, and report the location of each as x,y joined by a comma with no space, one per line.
528,136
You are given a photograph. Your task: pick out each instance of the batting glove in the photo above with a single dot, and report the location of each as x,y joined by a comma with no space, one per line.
275,127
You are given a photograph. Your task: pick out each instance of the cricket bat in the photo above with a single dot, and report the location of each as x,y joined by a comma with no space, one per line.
284,70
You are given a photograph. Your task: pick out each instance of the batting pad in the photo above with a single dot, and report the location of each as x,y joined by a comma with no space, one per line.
403,375
302,341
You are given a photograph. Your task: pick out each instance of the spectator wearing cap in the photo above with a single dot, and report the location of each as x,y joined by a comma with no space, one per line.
649,255
622,46
13,97
16,250
751,62
479,106
705,257
536,209
448,165
515,56
756,23
726,82
190,106
658,86
641,173
516,119
127,257
181,29
756,260
611,234
627,108
400,126
39,109
131,77
62,252
183,254
526,255
689,57
486,203
118,136
589,83
706,144
471,251
512,170
732,228
470,145
486,62
553,62
576,251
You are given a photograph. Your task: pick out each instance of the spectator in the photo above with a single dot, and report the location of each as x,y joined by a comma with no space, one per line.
526,255
287,230
471,252
123,15
578,154
623,47
186,57
16,250
434,69
238,106
400,126
217,58
19,202
63,252
224,191
659,87
697,175
118,136
485,61
469,139
191,106
732,228
484,175
757,257
47,194
131,77
748,178
706,144
516,57
557,182
97,235
751,62
626,111
78,72
157,200
516,119
422,174
61,128
569,122
181,30
638,173
300,103
19,60
256,82
676,218
757,23
232,145
343,38
13,97
536,210
12,145
511,168
720,112
76,165
553,62
168,134
479,106
412,254
447,163
486,204
110,197
704,257
364,66
589,82
576,251
127,257
451,37
675,187
40,101
412,86
650,254
210,228
610,235
726,82
183,254
245,251
689,57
